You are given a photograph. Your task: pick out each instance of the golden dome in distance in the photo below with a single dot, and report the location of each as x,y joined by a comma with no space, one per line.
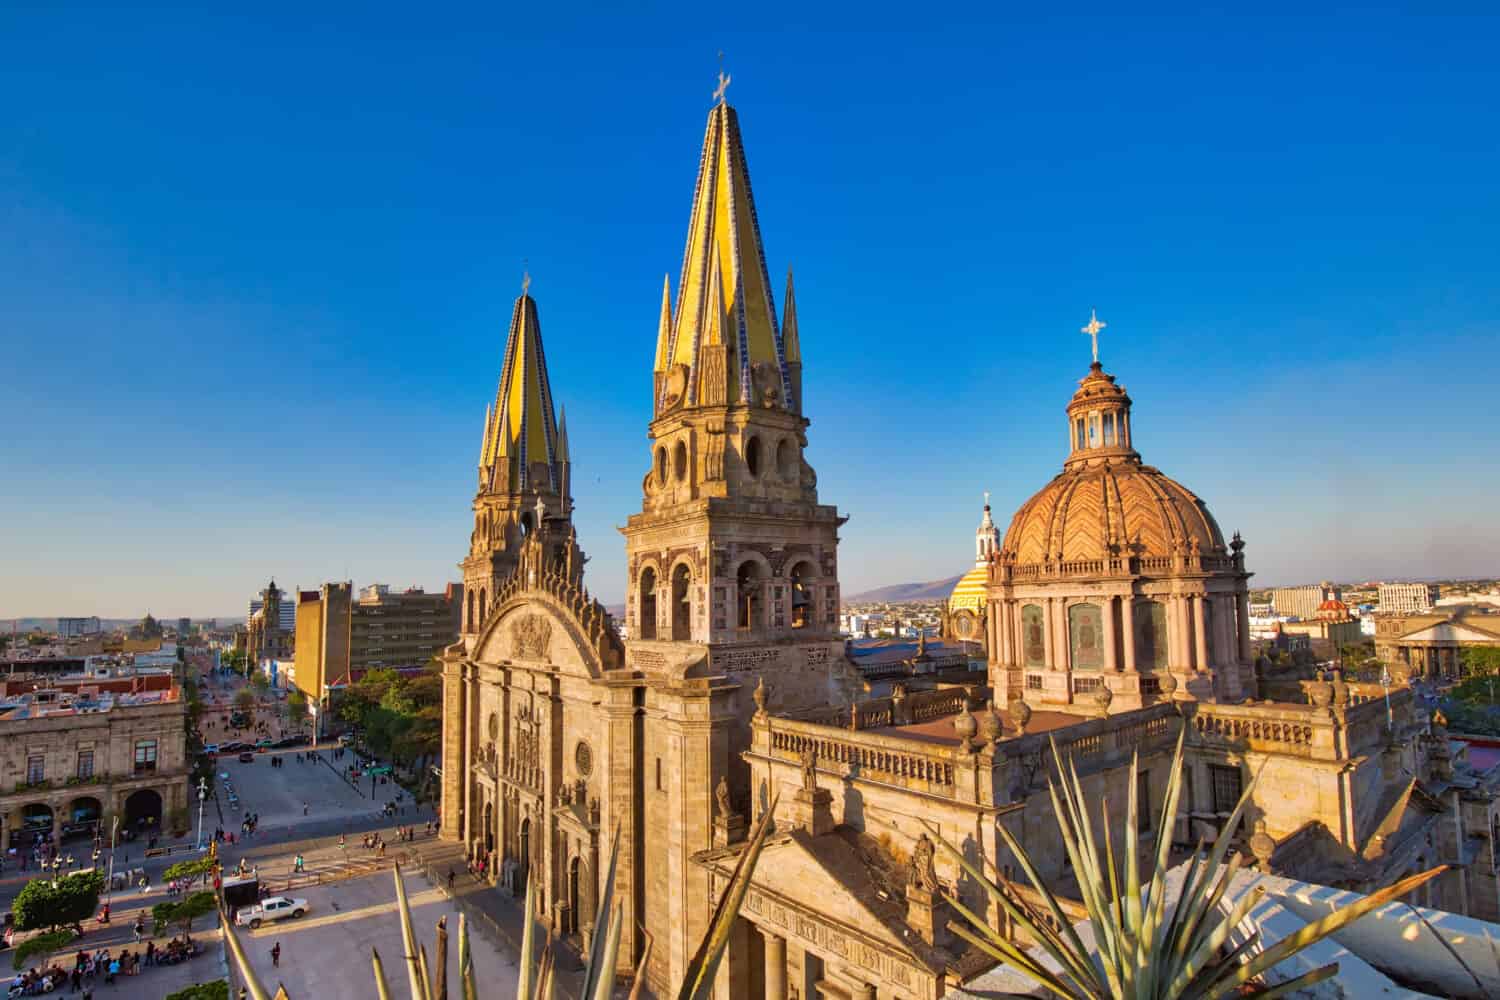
1106,503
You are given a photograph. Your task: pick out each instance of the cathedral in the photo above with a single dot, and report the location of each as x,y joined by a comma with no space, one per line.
1113,613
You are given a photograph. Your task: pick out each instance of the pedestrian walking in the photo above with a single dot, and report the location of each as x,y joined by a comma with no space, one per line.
304,808
276,955
451,876
139,929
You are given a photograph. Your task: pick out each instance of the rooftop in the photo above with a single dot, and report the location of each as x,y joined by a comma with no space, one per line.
940,729
52,703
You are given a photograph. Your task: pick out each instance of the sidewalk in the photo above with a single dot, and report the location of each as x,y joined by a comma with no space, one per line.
490,911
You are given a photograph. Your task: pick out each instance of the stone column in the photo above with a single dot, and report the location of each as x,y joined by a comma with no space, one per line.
1064,653
453,749
1242,623
1049,634
775,965
1111,660
1199,603
1182,656
1127,626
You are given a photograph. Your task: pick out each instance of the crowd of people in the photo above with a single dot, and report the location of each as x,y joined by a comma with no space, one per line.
91,966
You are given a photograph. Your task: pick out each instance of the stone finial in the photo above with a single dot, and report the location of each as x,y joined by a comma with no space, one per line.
965,725
759,694
1020,714
990,727
1262,845
1321,693
1101,699
1167,684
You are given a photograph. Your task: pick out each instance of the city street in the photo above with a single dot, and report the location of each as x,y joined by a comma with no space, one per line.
303,806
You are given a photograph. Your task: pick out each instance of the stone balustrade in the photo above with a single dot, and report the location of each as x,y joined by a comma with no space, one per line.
913,763
1117,566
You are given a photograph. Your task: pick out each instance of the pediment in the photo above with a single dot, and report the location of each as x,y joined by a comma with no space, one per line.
533,631
1450,632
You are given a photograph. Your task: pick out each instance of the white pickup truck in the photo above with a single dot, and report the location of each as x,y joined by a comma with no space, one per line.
270,908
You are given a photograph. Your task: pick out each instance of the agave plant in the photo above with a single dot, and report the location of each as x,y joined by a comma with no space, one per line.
537,973
1146,947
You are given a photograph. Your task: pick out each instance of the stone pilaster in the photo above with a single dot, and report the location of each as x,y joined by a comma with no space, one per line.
454,751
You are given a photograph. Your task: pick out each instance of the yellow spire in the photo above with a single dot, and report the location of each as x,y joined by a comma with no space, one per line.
664,329
521,429
789,338
723,233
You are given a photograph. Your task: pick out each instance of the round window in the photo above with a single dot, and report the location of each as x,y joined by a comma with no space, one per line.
752,456
583,759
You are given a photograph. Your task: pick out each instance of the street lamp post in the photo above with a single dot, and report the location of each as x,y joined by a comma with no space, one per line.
202,797
110,888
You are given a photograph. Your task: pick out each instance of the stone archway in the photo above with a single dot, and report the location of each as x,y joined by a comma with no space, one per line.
82,817
143,811
32,819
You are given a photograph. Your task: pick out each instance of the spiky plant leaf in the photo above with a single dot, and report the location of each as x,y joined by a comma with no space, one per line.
409,940
466,960
526,966
604,977
382,989
241,961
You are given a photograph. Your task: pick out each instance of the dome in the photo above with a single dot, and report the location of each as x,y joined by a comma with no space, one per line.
1094,511
970,591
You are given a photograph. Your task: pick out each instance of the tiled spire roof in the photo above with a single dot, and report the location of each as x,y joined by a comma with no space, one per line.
521,440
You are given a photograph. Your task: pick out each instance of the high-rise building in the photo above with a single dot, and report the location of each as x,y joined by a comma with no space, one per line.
1407,598
338,638
1303,602
70,628
184,626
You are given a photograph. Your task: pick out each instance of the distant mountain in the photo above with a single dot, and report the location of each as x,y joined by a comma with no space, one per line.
896,593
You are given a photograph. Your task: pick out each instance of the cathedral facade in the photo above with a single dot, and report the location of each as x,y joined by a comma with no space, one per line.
1113,613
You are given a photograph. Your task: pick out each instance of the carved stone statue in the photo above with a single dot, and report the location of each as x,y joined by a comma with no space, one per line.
721,797
921,873
809,771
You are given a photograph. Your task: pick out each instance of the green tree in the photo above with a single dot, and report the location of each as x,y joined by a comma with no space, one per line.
1481,661
296,703
43,902
183,913
216,990
260,682
44,945
188,869
244,701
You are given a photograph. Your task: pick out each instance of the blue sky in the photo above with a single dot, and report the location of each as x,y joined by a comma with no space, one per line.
255,274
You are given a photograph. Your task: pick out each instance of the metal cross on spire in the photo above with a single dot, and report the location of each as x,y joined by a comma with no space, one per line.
723,81
1093,331
525,281
986,498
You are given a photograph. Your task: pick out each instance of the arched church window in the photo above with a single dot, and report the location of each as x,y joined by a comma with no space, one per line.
661,464
1086,637
482,607
1093,430
470,619
802,595
1033,635
1078,436
526,523
680,460
492,727
752,456
648,604
1150,635
1109,428
748,584
682,602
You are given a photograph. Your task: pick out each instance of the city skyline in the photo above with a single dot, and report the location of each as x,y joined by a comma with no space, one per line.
260,345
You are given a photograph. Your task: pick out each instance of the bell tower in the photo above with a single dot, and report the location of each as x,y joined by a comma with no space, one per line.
524,474
732,561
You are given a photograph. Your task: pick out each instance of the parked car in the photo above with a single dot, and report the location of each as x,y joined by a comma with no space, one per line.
289,741
270,908
210,748
232,746
246,757
263,744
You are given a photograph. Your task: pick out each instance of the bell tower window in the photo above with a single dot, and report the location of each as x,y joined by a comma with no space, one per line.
1078,436
1093,430
1109,429
748,584
682,603
648,604
802,596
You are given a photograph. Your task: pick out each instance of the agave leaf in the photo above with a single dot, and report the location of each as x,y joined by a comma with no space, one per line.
247,972
466,960
604,976
382,989
424,968
1002,950
409,940
1202,956
697,982
601,924
1331,924
526,966
1064,946
640,967
1306,979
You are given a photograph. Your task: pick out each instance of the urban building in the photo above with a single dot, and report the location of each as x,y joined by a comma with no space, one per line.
339,637
1303,602
1432,644
1331,627
1407,598
1116,618
184,626
270,630
80,752
70,628
964,615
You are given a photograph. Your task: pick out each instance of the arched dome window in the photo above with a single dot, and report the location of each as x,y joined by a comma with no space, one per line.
1150,635
682,602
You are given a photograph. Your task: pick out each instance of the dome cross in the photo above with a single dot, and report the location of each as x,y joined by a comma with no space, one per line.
1093,328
